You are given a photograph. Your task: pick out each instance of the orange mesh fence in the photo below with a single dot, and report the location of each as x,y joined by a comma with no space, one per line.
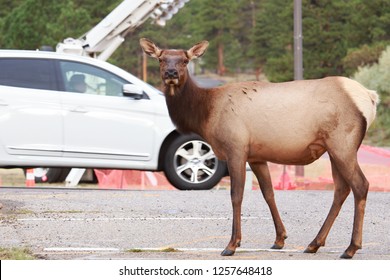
131,179
374,161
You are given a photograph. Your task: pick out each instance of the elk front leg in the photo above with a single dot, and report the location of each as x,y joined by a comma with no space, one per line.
263,176
237,177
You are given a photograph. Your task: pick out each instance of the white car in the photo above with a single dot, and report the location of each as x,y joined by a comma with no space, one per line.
61,111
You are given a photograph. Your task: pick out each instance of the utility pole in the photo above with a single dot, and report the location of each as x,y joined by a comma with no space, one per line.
298,61
298,58
144,67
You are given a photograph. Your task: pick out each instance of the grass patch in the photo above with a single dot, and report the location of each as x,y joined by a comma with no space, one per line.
23,212
63,212
16,254
169,250
135,251
163,250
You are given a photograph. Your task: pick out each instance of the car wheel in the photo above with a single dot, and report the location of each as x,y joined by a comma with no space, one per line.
50,175
190,164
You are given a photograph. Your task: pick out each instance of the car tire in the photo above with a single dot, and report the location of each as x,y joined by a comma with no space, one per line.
190,164
50,175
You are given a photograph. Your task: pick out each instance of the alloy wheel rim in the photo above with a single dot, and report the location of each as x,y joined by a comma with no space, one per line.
195,162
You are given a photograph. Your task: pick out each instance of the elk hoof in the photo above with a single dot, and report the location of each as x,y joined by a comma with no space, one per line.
311,250
277,247
350,252
227,252
345,255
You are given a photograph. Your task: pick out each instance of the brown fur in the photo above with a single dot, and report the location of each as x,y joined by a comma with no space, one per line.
188,101
287,123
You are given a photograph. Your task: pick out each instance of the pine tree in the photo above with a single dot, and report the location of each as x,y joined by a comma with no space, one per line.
272,39
34,23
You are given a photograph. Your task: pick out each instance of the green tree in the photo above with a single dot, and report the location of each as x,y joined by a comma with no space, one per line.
369,21
7,6
272,39
217,21
377,77
226,31
334,35
97,9
368,32
72,21
325,41
364,56
34,23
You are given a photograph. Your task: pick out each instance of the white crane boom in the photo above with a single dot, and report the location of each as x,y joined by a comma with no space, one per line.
102,40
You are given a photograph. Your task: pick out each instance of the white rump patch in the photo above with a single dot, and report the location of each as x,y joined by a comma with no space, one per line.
366,100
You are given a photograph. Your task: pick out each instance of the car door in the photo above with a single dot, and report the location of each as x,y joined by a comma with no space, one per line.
30,109
100,123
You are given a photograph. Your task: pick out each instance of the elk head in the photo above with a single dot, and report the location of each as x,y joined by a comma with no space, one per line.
173,63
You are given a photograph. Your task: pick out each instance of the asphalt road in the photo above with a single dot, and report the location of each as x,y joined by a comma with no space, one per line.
114,224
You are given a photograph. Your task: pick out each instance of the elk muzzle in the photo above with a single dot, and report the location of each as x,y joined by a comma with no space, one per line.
171,79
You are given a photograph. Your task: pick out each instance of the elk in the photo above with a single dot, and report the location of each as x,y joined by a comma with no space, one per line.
290,123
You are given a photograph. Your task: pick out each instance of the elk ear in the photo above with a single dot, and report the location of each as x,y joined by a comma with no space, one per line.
150,48
198,50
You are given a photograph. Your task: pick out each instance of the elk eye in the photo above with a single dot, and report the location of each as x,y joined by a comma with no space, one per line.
185,62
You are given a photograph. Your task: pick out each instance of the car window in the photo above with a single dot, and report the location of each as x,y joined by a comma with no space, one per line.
84,78
28,73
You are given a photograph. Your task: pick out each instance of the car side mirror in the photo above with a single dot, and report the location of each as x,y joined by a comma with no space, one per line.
133,91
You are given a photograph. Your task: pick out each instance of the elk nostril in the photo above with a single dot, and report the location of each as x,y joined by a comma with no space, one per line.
171,74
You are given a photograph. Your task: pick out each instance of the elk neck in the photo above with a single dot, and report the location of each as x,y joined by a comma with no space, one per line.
190,106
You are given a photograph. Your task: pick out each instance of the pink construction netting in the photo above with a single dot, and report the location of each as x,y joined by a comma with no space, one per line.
374,161
132,179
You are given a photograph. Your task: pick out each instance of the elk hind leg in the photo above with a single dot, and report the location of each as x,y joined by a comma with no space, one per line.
359,185
263,176
351,172
341,192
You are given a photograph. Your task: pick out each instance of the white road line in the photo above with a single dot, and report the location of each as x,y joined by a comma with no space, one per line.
136,219
76,249
81,249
